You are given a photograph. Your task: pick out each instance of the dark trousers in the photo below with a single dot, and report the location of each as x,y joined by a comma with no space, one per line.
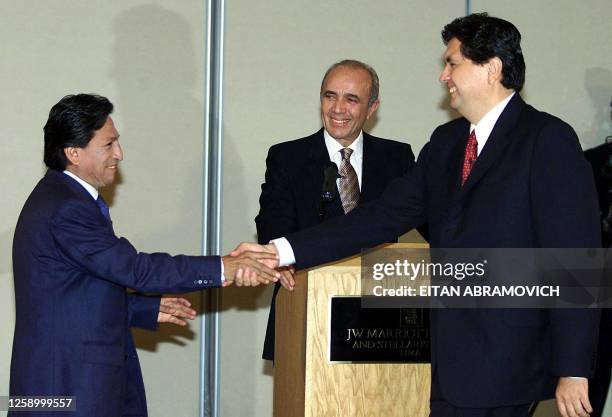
441,408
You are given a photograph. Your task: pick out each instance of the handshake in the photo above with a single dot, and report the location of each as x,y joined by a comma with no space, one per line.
251,264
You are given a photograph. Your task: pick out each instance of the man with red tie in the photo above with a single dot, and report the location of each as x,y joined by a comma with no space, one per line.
504,175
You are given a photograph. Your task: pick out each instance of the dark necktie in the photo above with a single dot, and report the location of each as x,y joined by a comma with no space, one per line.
103,208
349,185
471,153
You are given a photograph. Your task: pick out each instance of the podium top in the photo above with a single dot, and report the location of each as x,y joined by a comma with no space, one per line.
354,261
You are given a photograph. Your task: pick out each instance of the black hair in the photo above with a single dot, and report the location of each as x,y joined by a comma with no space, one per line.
484,37
73,122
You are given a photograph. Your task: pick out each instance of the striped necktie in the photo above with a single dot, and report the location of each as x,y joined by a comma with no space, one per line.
349,184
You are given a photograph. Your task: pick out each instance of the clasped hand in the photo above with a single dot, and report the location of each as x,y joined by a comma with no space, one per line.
251,264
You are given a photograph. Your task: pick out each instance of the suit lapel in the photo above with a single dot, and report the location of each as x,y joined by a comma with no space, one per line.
497,142
456,196
53,175
456,157
371,178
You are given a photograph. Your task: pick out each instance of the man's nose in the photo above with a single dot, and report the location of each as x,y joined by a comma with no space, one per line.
117,151
445,74
339,106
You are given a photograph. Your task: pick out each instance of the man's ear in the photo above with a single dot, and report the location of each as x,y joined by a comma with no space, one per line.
372,109
73,155
494,69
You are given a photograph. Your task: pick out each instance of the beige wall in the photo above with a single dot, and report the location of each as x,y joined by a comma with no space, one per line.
147,57
567,47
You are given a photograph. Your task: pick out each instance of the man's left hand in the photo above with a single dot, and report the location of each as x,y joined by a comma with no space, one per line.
573,397
174,310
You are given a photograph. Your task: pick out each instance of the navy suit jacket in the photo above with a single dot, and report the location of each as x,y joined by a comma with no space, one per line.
530,187
73,313
291,195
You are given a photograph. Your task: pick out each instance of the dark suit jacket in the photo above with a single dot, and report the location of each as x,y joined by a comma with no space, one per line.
530,187
291,196
72,309
599,386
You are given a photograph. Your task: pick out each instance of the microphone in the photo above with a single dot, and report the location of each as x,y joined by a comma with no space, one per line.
328,189
330,173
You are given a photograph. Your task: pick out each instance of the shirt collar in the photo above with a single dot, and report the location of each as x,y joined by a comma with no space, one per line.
487,123
334,146
90,189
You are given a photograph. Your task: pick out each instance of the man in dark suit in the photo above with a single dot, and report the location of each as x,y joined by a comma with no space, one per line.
505,175
297,171
71,273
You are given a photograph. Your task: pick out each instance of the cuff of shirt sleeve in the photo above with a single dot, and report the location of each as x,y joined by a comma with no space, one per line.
285,251
222,271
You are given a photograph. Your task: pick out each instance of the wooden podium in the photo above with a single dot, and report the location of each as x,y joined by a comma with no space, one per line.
307,384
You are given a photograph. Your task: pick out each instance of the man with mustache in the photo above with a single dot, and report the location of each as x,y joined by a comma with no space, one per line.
291,197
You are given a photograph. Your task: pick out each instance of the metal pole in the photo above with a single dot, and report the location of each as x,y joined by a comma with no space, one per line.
211,207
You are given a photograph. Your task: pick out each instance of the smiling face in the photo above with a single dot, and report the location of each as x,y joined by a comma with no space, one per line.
468,83
97,163
344,103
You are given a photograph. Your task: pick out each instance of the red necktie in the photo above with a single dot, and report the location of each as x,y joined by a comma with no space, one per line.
471,153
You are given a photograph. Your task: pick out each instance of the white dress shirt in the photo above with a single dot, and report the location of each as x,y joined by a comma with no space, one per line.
90,188
334,149
487,123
